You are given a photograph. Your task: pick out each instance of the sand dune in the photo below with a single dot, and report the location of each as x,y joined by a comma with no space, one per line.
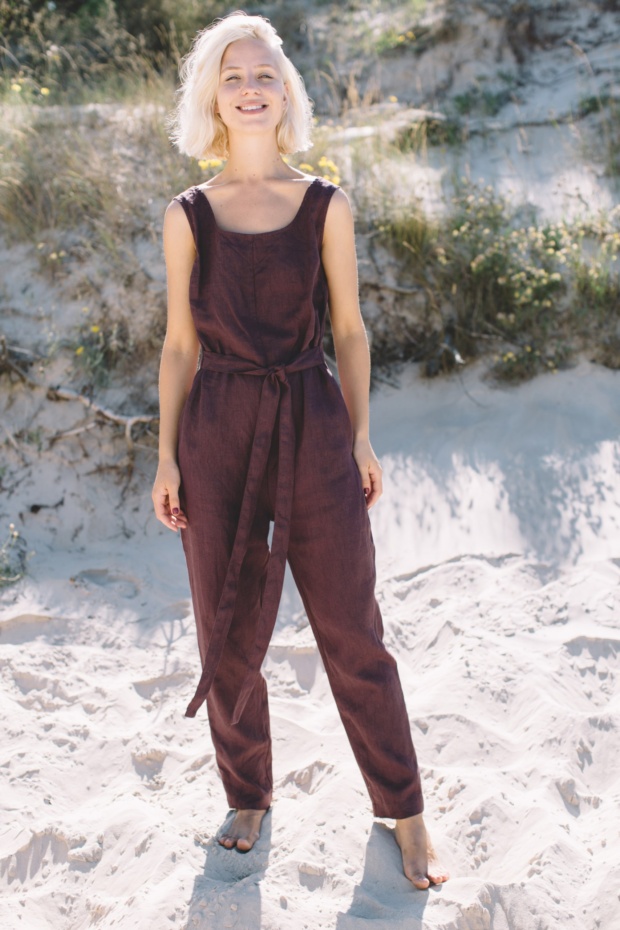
498,560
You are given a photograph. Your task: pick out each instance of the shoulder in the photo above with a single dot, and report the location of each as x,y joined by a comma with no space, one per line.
180,226
327,187
339,213
183,200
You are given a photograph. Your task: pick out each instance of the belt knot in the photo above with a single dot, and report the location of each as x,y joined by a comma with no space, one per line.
277,373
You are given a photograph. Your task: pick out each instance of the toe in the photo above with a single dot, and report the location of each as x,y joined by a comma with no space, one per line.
247,842
420,881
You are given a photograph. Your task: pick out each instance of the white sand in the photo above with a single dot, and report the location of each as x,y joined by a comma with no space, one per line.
498,561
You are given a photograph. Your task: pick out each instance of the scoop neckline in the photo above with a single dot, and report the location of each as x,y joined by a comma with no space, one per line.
267,232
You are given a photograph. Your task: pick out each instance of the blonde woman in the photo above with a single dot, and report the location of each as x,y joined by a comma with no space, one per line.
254,428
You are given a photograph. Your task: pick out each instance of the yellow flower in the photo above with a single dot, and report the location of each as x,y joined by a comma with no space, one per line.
40,245
393,99
205,163
401,39
85,309
16,87
45,91
79,350
95,329
410,34
53,256
305,166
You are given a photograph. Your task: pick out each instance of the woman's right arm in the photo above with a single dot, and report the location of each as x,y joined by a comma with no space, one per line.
178,363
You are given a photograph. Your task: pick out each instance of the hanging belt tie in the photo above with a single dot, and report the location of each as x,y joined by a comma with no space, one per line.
275,392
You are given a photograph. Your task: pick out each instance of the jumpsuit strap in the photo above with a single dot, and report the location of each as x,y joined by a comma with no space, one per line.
275,393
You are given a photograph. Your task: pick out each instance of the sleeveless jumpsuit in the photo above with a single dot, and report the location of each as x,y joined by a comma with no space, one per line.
265,435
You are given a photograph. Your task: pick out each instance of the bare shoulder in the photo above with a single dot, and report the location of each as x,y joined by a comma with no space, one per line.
175,215
177,231
339,215
339,223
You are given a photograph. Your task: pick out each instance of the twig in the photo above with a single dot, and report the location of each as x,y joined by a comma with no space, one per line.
13,442
64,434
7,362
59,393
394,288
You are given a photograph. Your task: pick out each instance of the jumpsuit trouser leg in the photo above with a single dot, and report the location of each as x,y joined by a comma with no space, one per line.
334,570
335,575
243,751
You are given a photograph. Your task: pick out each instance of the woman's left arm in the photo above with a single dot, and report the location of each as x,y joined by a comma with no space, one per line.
350,338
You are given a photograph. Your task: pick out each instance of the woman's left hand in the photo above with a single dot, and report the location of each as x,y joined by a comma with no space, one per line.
370,470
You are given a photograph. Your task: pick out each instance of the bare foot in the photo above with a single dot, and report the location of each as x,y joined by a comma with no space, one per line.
420,862
243,831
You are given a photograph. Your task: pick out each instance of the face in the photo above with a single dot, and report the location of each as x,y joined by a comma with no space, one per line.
251,94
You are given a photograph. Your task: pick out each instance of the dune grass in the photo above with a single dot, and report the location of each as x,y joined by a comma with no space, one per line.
537,292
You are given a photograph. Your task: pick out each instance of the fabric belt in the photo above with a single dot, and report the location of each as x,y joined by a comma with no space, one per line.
275,392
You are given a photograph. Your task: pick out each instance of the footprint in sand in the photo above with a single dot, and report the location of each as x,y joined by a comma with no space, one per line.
148,763
30,865
311,876
156,686
595,660
122,584
310,778
24,628
303,660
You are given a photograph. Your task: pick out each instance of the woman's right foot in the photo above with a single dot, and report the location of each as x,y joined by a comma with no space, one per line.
421,864
243,831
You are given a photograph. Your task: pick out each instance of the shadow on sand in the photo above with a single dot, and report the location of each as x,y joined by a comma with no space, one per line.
229,885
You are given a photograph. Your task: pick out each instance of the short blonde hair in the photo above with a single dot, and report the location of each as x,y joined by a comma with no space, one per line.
195,128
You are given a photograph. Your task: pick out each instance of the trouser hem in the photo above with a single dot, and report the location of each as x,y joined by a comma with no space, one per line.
262,803
401,811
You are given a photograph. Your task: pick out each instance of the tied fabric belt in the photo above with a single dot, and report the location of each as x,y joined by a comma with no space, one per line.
275,392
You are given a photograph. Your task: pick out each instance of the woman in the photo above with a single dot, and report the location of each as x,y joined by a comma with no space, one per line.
261,431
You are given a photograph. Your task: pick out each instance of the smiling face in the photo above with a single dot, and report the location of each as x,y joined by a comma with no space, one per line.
251,94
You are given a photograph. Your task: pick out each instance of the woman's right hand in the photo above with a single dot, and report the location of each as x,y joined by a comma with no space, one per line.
165,497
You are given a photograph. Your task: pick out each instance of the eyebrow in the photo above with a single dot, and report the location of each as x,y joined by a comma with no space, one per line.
238,67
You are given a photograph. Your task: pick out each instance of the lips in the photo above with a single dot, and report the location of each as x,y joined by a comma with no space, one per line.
252,107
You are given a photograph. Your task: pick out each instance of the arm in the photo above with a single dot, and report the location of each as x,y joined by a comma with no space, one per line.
178,363
350,338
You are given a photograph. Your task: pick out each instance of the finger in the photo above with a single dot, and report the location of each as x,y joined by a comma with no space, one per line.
178,521
163,512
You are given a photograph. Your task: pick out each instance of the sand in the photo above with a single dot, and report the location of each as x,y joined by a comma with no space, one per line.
498,559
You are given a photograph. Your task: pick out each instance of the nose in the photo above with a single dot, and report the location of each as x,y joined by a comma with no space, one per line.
249,83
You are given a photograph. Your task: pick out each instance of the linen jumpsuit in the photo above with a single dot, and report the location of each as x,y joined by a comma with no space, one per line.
265,435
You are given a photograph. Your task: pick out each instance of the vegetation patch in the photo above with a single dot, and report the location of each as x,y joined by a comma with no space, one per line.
536,291
13,557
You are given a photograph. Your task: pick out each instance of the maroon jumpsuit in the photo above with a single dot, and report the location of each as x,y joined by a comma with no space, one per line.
265,435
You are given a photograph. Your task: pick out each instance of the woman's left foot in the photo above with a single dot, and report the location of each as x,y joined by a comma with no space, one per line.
243,831
420,862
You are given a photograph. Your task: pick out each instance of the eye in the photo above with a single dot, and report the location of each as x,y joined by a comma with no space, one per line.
266,75
232,77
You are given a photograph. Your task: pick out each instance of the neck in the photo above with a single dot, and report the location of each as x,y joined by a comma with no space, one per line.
254,159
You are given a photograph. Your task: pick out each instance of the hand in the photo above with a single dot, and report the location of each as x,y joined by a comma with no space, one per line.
370,470
165,497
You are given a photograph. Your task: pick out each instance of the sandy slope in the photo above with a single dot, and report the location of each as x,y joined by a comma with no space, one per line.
498,562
